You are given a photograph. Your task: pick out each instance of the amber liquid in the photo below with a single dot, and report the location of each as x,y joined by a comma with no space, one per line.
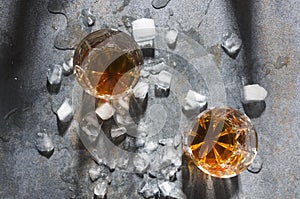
110,71
217,142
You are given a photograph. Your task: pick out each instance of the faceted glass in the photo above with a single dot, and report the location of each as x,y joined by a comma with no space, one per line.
222,142
107,63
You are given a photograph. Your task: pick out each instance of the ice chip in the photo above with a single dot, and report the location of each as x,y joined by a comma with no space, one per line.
194,103
124,119
88,18
117,132
65,112
140,163
140,91
44,144
68,66
90,125
100,190
254,92
231,44
95,172
155,67
149,189
143,29
256,165
150,147
171,38
54,76
105,111
169,189
164,79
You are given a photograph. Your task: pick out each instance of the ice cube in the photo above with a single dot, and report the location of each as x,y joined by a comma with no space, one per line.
149,189
150,147
140,163
253,93
88,18
143,29
90,125
95,172
65,112
140,91
100,189
105,111
194,103
169,189
171,38
68,66
54,75
117,132
231,44
159,3
44,144
145,73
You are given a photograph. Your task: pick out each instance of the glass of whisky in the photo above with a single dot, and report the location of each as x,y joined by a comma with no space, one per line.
222,142
107,63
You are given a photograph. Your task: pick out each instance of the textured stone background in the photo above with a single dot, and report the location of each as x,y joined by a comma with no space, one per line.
268,28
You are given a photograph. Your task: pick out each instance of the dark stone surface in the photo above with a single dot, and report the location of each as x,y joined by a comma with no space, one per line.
269,29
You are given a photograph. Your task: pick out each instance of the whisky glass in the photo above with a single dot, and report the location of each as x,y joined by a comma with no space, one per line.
222,142
107,63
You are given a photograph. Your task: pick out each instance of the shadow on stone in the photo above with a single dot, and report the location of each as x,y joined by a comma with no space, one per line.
53,89
254,109
63,126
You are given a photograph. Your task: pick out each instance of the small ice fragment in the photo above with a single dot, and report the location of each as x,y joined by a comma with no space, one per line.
177,140
143,29
105,111
254,92
150,147
68,66
100,190
140,164
171,38
95,172
169,189
194,103
169,172
159,3
166,142
171,155
88,18
124,119
44,144
117,132
90,125
164,79
65,112
231,44
54,75
140,91
140,142
149,189
256,165
155,67
145,73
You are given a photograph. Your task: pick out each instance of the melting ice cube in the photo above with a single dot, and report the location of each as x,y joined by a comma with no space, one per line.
68,66
140,91
162,85
65,112
105,111
90,125
117,132
194,103
54,75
